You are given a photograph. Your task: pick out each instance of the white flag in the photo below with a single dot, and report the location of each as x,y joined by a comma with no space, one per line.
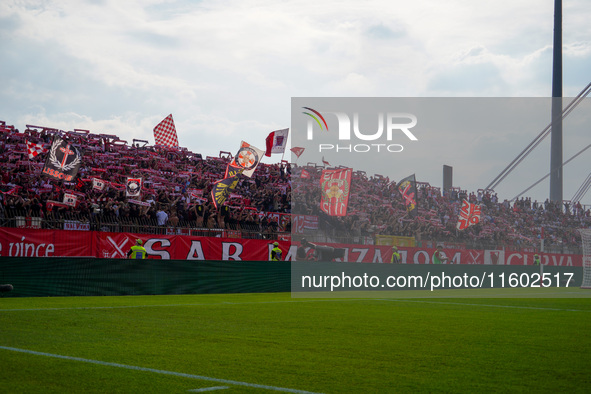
248,157
70,199
98,184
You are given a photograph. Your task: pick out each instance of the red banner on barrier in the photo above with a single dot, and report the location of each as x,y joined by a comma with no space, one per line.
16,242
383,254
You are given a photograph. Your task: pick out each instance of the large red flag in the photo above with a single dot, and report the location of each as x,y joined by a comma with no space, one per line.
335,186
165,133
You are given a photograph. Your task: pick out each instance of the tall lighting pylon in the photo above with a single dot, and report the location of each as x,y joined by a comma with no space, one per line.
556,136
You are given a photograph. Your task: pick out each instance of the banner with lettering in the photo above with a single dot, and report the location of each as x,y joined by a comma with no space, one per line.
31,242
63,160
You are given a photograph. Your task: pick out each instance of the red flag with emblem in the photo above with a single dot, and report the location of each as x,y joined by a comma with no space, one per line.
165,133
469,215
335,186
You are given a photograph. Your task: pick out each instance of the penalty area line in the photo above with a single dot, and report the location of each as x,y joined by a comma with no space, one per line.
159,371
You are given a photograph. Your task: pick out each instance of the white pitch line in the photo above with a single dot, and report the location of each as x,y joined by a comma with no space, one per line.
159,371
488,305
175,305
203,390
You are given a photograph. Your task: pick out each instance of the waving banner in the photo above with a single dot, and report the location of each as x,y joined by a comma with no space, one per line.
165,133
35,150
469,215
63,160
222,189
335,186
276,142
248,158
408,189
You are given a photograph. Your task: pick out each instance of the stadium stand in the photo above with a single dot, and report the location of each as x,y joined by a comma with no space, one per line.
376,207
179,182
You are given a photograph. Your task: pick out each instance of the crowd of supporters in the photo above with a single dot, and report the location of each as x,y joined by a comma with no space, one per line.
376,207
177,187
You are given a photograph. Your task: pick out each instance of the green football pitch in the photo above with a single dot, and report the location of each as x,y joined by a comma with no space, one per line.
241,343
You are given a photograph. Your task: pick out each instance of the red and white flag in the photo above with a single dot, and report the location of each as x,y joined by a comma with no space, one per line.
98,184
469,215
297,151
305,174
35,149
276,141
70,199
165,133
335,186
325,162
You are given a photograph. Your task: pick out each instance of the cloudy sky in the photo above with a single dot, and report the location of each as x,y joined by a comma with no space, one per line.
227,70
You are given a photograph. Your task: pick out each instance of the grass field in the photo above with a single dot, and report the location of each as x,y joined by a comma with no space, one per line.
241,343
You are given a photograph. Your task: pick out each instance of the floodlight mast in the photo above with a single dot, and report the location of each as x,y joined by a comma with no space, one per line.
556,135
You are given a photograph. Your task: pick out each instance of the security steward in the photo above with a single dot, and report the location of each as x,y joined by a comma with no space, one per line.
537,260
137,251
395,255
275,252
